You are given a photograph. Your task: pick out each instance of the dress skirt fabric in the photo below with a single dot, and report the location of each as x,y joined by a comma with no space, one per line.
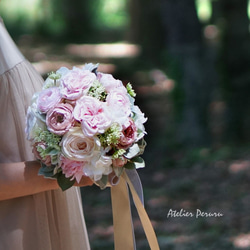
50,220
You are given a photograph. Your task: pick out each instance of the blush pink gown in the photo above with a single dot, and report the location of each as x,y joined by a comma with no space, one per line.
50,220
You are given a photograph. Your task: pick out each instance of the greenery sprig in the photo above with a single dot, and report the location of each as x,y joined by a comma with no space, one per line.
97,90
130,90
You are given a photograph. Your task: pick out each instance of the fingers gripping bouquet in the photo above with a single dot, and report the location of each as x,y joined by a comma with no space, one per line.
85,123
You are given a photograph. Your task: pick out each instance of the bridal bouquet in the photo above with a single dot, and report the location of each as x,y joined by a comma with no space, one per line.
85,123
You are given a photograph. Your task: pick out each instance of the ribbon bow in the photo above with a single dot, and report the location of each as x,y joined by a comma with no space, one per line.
122,219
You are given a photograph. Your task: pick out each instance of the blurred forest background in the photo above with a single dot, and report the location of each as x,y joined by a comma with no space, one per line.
188,61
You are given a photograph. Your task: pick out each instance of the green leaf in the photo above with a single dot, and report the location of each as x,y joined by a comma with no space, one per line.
54,159
135,163
46,171
63,182
139,162
52,151
103,182
130,165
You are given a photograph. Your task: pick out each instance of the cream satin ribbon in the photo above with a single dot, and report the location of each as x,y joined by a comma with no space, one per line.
122,218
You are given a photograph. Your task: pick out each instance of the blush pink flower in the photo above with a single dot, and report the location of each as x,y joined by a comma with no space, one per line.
118,98
119,162
48,98
47,159
73,169
60,118
92,115
128,136
108,81
75,82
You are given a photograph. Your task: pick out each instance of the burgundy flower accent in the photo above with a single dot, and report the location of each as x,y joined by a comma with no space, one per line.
128,135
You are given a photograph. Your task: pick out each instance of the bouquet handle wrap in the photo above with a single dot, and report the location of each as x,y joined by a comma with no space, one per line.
122,218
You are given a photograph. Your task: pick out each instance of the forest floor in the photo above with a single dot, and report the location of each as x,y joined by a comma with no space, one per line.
193,181
199,179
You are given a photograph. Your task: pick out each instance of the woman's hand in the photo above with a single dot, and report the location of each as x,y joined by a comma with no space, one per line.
21,178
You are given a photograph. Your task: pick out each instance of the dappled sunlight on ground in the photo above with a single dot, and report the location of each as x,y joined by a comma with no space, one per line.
47,57
242,241
165,86
239,166
111,50
104,232
160,82
157,202
209,180
184,239
45,67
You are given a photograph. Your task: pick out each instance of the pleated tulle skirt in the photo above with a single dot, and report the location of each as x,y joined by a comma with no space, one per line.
50,220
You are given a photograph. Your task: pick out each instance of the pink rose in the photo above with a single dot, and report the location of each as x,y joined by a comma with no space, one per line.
48,98
92,115
75,82
119,162
47,159
118,98
60,118
109,82
72,168
128,136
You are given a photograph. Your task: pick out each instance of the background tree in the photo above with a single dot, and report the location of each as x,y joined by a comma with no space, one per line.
184,43
171,37
235,56
76,16
146,30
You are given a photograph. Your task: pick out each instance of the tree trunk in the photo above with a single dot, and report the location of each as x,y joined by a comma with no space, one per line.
146,28
184,44
236,58
77,19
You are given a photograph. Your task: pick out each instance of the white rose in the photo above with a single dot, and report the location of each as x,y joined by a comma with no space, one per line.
139,120
99,165
34,119
76,146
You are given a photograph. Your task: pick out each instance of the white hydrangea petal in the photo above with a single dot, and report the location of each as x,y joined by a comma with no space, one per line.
63,71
